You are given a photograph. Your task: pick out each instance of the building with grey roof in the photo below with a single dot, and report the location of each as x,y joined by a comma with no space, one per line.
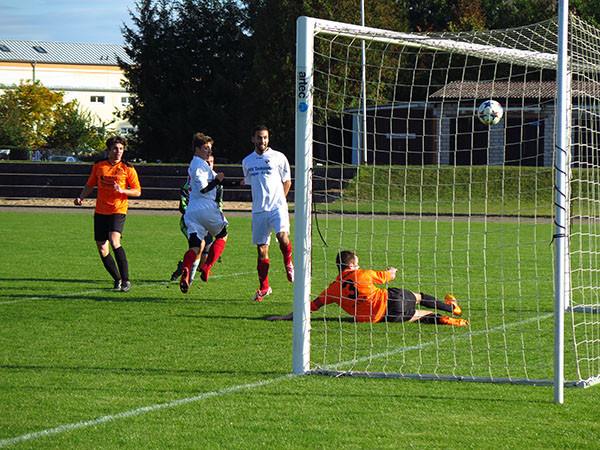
88,73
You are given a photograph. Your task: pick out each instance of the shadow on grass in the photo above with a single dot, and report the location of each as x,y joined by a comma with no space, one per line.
135,370
54,280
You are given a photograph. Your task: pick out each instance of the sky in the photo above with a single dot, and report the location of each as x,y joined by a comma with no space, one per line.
81,21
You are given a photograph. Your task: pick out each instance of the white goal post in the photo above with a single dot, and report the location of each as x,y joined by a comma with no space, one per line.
458,206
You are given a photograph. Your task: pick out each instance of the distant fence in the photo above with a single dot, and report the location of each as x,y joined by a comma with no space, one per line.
159,182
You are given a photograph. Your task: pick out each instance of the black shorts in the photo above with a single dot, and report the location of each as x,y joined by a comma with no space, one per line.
104,224
401,305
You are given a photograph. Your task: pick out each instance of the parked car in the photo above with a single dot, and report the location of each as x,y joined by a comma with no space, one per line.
4,154
63,158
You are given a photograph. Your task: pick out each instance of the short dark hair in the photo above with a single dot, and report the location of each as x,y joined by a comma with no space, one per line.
115,140
199,139
344,258
260,127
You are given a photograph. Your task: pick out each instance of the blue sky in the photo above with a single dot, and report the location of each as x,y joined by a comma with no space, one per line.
87,21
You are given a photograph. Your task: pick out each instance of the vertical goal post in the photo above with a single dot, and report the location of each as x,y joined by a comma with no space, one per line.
456,205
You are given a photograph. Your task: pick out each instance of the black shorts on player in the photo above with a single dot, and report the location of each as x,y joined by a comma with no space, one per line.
104,224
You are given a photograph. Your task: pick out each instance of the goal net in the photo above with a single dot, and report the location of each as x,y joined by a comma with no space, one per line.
394,163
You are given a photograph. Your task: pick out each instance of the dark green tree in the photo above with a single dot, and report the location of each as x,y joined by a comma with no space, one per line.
187,75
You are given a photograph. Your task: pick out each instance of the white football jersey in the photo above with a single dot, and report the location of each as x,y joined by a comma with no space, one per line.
199,175
265,174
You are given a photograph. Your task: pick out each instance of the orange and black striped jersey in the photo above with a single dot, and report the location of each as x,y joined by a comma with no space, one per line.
356,293
104,174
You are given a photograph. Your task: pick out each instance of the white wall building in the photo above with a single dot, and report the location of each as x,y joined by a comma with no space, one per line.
88,73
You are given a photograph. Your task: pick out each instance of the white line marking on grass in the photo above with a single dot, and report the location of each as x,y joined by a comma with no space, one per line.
438,341
98,291
136,412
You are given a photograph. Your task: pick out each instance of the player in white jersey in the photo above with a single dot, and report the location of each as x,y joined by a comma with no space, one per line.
268,173
202,215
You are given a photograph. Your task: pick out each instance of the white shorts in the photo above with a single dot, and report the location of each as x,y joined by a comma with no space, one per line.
264,223
203,221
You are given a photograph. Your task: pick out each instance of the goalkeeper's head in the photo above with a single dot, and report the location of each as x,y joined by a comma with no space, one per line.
346,260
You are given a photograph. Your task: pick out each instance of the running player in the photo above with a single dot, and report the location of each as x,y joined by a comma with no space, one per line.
268,173
355,291
202,215
117,180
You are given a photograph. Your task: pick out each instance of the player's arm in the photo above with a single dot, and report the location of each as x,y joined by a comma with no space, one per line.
213,183
134,189
286,187
87,190
131,192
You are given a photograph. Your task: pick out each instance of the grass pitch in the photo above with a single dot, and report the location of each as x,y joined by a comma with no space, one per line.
83,367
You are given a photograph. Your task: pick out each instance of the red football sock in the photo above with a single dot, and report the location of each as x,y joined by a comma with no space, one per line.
286,250
213,254
263,273
189,258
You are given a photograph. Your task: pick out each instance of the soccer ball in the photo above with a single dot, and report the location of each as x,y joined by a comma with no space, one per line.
490,112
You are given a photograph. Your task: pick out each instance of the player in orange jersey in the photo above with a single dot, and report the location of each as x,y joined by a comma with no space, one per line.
117,180
355,291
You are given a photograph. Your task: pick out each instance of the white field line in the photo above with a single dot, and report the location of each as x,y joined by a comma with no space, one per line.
146,409
136,412
440,341
98,291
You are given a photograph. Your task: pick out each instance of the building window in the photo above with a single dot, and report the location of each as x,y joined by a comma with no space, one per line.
97,99
127,131
125,101
39,49
4,48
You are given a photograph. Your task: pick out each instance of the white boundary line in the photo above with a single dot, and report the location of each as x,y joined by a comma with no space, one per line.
440,341
136,412
146,409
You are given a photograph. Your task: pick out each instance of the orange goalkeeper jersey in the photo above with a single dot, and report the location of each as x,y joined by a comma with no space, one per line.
104,174
356,293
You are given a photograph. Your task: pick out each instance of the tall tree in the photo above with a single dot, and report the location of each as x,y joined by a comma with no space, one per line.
187,75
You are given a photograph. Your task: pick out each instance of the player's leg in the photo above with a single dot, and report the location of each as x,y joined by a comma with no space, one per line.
430,317
208,240
101,237
449,304
217,226
402,308
215,251
117,223
196,233
280,222
261,237
262,268
196,245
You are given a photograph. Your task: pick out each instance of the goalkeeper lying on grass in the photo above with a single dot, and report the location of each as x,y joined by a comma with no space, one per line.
355,291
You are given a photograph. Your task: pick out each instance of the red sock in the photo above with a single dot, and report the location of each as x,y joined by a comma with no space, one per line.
287,252
263,273
189,258
213,254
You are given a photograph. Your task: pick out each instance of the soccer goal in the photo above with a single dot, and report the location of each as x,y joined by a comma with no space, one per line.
393,161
